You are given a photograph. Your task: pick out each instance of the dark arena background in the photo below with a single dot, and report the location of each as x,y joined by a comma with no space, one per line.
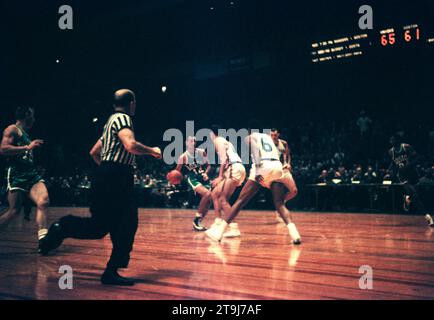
336,92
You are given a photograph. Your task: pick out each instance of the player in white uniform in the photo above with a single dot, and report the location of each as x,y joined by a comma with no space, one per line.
266,171
231,175
285,158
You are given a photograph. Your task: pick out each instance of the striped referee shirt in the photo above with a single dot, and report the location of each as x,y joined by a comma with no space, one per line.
112,148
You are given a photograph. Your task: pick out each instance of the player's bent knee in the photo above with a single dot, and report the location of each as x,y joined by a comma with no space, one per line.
214,196
43,203
222,200
208,195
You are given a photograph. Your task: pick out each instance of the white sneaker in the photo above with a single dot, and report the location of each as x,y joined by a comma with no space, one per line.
233,231
216,222
216,233
293,233
429,220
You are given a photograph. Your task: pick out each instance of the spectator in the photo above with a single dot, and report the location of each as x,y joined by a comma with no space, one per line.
370,176
323,177
358,175
364,124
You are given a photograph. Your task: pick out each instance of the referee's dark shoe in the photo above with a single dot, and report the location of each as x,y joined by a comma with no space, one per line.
112,277
53,239
197,224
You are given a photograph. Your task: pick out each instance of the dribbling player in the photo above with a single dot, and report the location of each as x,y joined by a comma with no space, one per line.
195,161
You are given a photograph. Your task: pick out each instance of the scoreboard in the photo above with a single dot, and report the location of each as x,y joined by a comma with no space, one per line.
391,36
360,44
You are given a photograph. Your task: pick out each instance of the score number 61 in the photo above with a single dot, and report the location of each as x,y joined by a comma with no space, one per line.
390,38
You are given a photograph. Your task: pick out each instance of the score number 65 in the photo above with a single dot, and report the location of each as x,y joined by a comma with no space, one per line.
388,39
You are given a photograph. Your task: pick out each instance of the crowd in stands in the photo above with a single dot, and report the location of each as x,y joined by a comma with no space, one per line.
322,153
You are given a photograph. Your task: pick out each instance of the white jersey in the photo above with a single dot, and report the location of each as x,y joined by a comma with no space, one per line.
231,154
264,147
269,166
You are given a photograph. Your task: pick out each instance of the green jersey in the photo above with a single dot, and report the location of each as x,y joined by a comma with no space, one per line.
21,173
25,158
195,165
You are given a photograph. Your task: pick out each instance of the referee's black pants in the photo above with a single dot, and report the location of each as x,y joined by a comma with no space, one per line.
113,210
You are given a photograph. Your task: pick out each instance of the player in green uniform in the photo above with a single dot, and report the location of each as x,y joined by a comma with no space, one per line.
195,164
22,177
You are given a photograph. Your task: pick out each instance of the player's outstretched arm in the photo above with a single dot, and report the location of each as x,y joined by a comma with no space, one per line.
7,147
132,146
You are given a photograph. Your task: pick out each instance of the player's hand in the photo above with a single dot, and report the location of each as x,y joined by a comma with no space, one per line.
260,179
156,152
35,144
216,181
205,177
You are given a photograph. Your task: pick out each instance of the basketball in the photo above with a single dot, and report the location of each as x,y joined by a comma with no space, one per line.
174,177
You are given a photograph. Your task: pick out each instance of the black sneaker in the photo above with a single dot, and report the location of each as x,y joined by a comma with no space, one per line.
111,277
197,224
52,240
297,242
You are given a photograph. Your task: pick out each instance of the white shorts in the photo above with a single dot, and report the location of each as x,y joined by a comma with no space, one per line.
236,172
287,180
270,170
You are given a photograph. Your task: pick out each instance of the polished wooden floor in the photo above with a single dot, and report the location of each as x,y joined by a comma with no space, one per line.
170,261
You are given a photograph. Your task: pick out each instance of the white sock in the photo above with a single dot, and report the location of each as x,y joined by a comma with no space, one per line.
42,233
429,219
217,221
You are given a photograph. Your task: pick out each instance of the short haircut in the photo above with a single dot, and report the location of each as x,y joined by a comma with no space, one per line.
275,130
123,98
22,112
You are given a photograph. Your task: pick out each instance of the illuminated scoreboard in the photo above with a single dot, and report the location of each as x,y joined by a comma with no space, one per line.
360,44
340,48
390,37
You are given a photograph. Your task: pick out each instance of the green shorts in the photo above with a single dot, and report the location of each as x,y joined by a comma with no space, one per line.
195,182
22,178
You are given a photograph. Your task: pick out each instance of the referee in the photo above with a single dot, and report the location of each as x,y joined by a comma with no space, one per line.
113,208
